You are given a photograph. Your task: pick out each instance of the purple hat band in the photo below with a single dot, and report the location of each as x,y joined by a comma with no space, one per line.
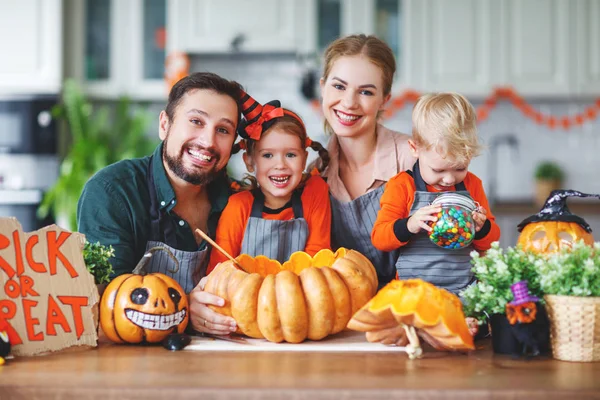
521,294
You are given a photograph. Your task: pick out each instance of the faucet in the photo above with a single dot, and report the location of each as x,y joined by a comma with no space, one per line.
511,141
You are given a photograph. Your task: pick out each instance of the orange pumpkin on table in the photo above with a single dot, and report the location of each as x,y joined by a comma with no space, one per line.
143,308
405,309
305,298
554,227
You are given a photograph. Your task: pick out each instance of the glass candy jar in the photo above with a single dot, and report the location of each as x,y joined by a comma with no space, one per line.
454,228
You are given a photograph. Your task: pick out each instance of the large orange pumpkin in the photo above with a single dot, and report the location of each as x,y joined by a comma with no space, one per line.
401,306
554,227
143,308
305,298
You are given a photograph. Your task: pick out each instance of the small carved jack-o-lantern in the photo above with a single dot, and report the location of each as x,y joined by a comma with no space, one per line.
554,227
139,308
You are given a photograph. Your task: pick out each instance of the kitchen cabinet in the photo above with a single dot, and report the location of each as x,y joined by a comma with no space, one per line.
208,26
335,18
587,27
471,46
449,46
118,47
31,46
535,51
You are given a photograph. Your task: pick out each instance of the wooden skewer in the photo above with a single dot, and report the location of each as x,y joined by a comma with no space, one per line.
215,245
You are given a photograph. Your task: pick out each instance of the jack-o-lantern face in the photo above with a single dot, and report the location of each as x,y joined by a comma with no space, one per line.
138,309
554,228
552,236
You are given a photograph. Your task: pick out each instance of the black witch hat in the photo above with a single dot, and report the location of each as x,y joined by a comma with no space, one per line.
555,209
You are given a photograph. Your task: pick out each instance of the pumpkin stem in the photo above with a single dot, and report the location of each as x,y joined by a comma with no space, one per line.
413,348
140,268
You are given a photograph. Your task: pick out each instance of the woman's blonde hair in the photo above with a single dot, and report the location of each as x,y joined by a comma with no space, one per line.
373,48
446,122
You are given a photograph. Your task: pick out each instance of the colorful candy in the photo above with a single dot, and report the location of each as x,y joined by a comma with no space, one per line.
454,228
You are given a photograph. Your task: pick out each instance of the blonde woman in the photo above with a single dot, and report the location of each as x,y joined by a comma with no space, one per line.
364,155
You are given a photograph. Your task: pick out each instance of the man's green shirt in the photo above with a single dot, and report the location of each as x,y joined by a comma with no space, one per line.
114,209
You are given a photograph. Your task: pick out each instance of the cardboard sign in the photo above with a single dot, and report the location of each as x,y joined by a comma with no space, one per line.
47,296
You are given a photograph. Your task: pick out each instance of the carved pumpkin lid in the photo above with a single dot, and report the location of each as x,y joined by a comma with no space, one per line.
555,209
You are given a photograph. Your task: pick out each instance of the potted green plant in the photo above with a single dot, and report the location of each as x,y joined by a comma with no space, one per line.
96,258
97,261
570,280
496,272
99,135
549,176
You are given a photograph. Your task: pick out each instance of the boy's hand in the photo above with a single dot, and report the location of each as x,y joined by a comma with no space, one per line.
479,217
419,219
473,325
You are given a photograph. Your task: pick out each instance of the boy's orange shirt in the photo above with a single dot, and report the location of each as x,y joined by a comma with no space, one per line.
398,198
233,221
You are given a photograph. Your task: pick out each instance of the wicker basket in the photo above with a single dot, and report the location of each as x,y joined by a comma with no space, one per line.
574,327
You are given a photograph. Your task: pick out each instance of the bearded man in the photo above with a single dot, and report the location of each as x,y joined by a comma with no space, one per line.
160,200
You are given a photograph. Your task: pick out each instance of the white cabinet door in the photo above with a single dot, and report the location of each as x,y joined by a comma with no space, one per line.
448,45
31,46
213,26
112,49
144,59
587,24
535,52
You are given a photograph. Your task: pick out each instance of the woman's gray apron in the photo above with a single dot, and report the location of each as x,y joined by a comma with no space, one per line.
352,223
272,238
192,264
420,258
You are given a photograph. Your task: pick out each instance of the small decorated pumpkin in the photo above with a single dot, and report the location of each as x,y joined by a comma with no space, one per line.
4,341
554,227
403,309
305,298
140,308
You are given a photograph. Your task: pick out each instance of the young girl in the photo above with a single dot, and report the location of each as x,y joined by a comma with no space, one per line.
285,210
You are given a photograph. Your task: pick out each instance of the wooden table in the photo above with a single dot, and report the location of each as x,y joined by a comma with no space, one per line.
138,372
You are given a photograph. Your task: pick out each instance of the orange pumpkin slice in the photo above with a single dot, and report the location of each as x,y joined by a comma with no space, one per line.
435,313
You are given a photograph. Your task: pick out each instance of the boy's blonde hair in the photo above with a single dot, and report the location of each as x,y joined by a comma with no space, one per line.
446,122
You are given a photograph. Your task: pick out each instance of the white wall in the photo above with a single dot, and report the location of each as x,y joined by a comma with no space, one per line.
278,77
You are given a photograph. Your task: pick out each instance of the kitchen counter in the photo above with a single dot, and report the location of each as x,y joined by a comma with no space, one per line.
510,213
144,372
524,207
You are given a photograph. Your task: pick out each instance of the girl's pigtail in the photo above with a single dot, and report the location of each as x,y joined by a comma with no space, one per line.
239,146
323,155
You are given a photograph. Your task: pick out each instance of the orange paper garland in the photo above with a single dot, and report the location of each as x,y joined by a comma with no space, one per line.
590,113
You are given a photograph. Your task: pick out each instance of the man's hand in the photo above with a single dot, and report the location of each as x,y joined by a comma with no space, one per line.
419,219
204,319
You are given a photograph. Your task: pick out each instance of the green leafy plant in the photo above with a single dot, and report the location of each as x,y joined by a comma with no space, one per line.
99,136
495,273
571,272
549,171
97,260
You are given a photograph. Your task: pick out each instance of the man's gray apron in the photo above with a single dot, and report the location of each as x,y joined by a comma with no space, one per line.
192,264
420,258
352,223
275,239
